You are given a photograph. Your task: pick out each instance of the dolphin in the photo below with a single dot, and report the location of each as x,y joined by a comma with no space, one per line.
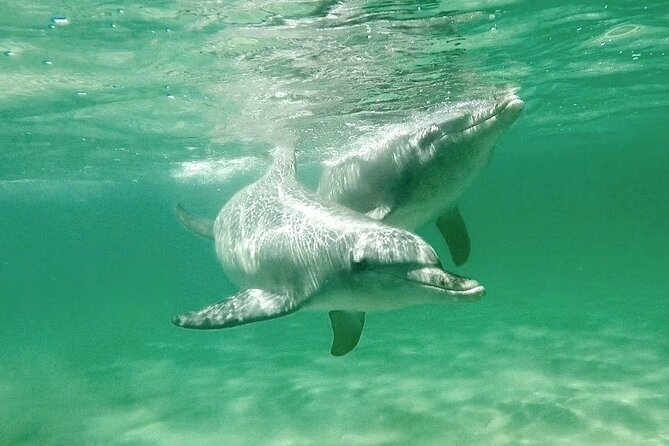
289,249
418,175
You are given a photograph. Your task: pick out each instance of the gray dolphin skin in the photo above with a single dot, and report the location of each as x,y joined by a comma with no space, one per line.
420,175
289,249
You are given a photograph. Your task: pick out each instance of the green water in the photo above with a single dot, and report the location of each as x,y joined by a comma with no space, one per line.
110,119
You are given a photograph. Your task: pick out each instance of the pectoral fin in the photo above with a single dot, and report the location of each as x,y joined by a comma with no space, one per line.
248,306
453,229
346,330
200,226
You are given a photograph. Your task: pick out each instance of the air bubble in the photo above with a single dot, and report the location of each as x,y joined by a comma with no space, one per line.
60,21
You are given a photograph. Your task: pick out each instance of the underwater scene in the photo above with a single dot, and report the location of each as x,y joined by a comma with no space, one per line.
375,163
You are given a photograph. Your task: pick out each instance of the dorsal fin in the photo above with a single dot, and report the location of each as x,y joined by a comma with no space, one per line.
284,161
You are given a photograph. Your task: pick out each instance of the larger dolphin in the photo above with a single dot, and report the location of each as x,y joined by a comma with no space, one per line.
419,175
288,249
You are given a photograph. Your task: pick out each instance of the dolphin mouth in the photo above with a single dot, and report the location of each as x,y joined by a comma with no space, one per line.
508,107
475,292
505,111
454,286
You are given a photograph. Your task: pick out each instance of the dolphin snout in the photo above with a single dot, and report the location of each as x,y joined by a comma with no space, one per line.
509,109
452,284
465,287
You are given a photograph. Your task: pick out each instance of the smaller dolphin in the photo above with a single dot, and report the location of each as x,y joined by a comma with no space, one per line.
420,175
290,249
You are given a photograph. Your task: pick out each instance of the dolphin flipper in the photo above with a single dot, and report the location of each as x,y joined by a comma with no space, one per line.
200,226
453,229
247,306
346,330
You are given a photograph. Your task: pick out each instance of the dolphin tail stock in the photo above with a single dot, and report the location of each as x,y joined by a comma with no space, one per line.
453,229
247,306
346,330
200,226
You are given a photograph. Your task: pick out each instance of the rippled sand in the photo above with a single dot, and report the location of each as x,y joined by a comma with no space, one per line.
430,376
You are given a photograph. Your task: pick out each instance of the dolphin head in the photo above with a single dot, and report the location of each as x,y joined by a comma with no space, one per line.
414,172
405,269
404,285
467,134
